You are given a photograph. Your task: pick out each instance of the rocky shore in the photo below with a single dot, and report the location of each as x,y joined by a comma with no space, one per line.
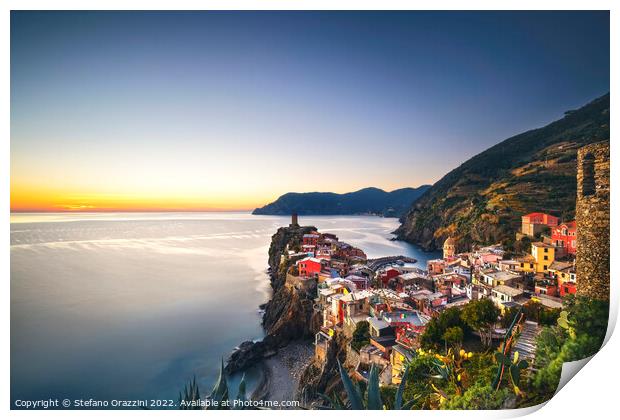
282,372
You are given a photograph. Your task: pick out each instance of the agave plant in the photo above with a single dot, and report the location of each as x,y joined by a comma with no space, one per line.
190,397
506,344
355,396
219,394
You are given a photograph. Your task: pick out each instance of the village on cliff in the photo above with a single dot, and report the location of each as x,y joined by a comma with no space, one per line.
396,300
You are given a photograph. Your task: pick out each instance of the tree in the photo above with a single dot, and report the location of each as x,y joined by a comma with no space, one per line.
433,336
454,337
579,333
481,315
361,335
535,311
508,316
480,396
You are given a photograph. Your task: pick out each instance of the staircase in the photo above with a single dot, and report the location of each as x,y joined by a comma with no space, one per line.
526,343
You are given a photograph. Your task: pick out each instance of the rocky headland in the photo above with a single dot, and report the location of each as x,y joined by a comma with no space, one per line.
288,316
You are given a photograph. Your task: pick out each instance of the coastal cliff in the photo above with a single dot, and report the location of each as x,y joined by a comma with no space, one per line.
289,314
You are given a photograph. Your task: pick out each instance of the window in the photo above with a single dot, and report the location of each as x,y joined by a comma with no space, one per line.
546,250
545,267
587,170
546,258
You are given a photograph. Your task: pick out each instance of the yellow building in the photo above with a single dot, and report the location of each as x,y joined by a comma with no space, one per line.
399,358
544,254
527,264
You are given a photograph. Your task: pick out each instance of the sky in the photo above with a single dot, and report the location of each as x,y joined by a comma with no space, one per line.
124,111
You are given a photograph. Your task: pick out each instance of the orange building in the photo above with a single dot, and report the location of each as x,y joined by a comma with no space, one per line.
534,223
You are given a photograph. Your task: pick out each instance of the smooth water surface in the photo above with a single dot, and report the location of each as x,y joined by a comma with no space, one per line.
132,305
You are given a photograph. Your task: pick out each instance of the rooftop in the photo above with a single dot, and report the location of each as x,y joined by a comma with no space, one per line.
316,260
561,265
508,291
542,245
354,296
411,317
549,302
399,348
501,275
379,324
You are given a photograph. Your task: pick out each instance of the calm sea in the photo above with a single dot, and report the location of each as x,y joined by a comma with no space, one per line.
131,306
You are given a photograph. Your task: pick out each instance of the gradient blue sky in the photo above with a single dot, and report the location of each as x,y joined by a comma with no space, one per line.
228,110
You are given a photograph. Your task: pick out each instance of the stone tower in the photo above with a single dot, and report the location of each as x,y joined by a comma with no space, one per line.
449,248
294,221
592,216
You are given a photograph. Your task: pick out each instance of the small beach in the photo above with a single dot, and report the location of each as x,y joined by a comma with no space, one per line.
282,372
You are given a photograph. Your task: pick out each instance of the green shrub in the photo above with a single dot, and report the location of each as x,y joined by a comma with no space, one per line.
361,335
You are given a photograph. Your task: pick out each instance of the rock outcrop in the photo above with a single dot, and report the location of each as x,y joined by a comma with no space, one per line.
289,315
323,378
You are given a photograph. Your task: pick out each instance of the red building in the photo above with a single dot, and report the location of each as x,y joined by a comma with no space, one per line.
546,287
311,239
534,223
565,236
567,288
309,267
388,274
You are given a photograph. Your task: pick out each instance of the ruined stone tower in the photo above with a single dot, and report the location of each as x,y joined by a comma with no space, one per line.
294,221
592,216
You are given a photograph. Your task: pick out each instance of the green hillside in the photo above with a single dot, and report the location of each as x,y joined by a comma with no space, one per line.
482,200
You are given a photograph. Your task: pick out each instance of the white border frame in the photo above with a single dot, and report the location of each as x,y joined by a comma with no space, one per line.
592,395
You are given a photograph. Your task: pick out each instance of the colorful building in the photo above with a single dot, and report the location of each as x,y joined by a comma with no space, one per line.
565,275
399,358
534,223
504,296
309,267
527,264
495,278
565,236
388,274
436,266
544,255
310,239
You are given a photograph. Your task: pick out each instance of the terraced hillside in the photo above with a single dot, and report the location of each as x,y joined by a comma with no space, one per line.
482,200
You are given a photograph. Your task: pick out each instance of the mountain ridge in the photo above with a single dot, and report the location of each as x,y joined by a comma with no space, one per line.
369,200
